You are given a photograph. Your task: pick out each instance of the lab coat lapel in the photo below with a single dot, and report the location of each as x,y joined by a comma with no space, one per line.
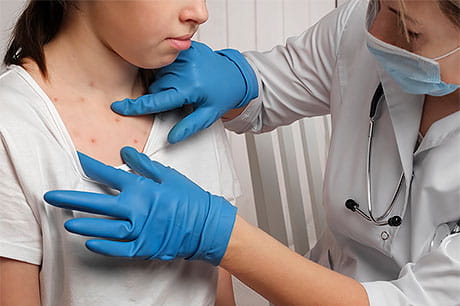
405,112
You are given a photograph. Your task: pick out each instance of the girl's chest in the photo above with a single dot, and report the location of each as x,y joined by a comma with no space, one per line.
102,134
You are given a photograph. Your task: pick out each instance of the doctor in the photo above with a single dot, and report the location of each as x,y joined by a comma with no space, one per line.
386,71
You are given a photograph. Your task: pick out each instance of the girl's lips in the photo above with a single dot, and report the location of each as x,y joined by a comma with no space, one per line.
180,44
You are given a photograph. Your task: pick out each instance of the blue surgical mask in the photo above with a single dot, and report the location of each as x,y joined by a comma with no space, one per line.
415,74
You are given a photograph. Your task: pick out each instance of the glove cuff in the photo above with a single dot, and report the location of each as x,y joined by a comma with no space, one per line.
248,74
217,231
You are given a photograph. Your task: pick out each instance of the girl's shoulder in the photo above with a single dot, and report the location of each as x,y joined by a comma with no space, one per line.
22,102
15,82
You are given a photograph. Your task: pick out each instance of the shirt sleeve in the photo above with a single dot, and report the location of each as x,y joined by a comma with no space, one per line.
20,234
433,280
295,80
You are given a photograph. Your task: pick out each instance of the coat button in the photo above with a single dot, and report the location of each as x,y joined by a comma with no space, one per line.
384,235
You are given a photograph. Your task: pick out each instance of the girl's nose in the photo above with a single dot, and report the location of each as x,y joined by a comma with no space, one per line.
196,11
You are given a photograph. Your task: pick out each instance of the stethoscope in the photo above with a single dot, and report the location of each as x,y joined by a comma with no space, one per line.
441,232
350,203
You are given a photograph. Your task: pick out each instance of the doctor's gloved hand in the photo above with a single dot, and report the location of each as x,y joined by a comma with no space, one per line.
213,82
159,215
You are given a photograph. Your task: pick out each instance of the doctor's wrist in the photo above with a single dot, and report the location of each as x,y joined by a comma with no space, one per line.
247,75
233,113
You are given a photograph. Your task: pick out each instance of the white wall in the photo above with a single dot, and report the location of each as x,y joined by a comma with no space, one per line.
9,10
282,187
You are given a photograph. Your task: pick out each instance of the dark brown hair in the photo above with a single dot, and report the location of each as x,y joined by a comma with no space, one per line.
38,25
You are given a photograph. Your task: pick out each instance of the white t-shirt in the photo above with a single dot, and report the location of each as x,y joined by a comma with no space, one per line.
37,155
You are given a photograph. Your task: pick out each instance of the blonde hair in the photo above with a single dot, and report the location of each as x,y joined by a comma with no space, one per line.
451,8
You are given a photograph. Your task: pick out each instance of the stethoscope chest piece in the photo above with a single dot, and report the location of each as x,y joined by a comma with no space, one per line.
392,221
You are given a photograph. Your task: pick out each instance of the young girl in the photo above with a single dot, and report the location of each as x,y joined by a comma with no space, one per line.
67,62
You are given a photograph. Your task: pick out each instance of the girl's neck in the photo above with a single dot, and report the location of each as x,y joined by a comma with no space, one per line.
84,77
80,63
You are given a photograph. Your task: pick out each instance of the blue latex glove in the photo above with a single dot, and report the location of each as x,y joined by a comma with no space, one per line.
159,215
213,82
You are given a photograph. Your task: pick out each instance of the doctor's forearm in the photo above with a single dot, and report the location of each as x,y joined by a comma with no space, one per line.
283,276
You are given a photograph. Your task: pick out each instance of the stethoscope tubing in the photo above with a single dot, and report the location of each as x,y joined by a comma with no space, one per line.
351,204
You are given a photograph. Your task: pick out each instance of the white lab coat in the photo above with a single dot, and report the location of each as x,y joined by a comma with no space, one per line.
329,70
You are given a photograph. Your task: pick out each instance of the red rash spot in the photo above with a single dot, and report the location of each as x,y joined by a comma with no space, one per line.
93,140
135,141
82,99
117,119
91,84
55,99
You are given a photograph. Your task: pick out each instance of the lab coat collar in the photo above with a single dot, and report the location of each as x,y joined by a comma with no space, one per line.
405,113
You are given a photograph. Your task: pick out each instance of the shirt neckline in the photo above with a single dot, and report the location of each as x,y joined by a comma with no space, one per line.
69,145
